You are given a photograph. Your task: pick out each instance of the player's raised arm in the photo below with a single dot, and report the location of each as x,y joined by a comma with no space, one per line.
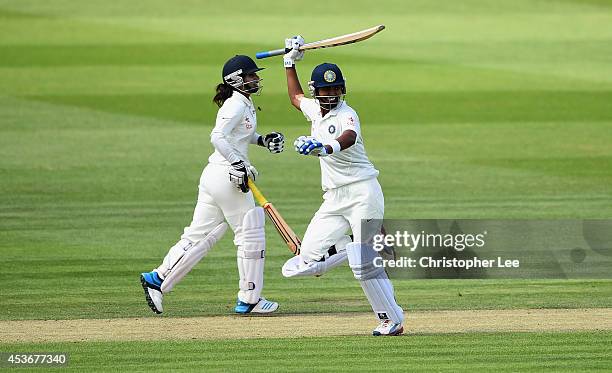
294,89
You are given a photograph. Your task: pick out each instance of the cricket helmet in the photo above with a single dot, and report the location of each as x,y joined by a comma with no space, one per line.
234,71
327,75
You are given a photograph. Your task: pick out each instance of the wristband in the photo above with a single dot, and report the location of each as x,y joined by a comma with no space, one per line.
288,62
335,145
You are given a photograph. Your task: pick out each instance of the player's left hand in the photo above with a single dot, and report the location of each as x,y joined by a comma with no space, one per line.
274,141
300,141
308,145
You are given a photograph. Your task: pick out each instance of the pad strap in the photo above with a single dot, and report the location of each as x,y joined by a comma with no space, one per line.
252,254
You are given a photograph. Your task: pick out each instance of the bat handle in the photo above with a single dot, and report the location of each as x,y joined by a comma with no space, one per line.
266,54
259,197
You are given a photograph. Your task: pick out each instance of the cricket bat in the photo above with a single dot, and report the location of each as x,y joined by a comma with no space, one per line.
285,231
327,43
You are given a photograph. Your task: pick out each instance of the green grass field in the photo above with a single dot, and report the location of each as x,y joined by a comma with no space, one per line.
472,109
442,353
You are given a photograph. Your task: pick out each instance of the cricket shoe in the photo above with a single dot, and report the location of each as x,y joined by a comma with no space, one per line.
263,306
388,327
151,284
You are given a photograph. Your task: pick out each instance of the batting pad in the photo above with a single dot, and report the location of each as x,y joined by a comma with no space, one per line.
174,255
374,282
251,255
191,257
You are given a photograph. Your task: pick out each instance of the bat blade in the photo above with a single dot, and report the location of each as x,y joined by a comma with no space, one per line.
287,234
328,43
344,39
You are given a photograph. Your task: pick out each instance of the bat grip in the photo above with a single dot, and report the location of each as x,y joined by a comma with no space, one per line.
257,193
266,54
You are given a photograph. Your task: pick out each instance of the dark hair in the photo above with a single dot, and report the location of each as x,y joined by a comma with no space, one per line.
224,91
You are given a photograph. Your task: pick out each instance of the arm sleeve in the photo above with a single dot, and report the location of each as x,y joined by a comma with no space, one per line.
255,138
227,119
350,121
309,108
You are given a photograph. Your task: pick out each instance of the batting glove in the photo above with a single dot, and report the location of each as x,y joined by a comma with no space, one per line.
239,176
300,141
293,54
310,146
274,141
253,173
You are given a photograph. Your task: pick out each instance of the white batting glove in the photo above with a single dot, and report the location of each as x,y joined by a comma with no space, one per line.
310,146
238,175
300,141
293,44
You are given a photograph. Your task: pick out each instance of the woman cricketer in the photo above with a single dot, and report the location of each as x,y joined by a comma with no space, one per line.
224,196
352,199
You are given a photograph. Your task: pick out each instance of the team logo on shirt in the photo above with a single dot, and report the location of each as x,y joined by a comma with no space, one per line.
332,129
329,76
247,123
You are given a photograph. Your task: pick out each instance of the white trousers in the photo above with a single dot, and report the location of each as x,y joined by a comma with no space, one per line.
218,200
343,208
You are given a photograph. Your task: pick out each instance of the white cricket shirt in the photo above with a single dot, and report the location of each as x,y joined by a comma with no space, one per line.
349,165
236,122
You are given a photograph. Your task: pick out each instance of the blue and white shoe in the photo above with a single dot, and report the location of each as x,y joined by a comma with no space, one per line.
388,327
151,284
263,306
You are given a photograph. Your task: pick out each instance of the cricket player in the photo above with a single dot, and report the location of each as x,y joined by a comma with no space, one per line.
224,196
352,194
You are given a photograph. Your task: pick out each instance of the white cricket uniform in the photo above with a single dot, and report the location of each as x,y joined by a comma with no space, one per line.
236,125
348,178
219,199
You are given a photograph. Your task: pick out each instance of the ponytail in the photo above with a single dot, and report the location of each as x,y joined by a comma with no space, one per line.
224,91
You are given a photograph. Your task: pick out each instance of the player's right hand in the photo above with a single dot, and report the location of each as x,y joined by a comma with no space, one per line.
292,45
239,176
